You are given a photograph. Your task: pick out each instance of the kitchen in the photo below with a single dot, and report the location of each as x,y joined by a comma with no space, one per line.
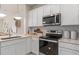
44,29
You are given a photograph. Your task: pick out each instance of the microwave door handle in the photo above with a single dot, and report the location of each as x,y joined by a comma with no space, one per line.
60,18
55,19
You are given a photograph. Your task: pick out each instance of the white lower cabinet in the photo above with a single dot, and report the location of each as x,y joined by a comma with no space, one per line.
35,46
8,50
68,49
28,45
20,48
14,47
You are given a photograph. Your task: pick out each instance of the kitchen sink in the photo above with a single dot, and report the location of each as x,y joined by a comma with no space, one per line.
11,37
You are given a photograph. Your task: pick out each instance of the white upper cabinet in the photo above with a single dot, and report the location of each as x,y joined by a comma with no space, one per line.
51,9
30,21
70,14
47,10
40,16
55,8
34,17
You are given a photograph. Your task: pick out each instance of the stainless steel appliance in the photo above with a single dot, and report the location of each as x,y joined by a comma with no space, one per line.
48,44
52,20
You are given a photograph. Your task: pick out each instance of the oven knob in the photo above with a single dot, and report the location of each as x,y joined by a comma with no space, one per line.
49,48
44,22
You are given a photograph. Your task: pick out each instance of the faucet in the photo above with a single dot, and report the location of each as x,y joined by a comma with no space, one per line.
9,32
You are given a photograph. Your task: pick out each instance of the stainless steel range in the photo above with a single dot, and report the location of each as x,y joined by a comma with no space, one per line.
48,44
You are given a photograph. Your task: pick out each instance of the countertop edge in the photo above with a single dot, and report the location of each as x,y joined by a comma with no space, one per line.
5,40
69,41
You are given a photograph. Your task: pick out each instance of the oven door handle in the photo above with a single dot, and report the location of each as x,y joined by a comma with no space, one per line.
53,41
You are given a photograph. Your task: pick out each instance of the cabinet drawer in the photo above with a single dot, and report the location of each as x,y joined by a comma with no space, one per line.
70,46
10,42
65,51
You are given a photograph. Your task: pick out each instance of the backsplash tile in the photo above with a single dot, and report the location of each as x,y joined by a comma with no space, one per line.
60,28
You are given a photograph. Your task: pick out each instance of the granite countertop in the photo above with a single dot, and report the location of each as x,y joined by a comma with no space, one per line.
70,41
21,36
3,38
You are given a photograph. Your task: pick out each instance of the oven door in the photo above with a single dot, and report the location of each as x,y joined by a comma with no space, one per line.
48,48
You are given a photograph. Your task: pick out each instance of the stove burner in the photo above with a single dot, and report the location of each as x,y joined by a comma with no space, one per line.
52,36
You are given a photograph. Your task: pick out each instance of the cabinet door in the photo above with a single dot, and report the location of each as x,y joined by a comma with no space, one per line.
29,45
20,47
8,50
47,10
35,45
68,45
70,14
55,8
30,21
40,16
66,51
16,47
34,17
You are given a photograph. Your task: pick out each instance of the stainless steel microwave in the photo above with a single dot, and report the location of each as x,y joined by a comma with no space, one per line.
52,20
